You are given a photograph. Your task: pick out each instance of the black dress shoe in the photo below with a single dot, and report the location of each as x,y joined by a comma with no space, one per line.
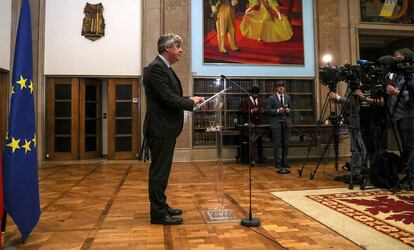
173,212
166,220
237,50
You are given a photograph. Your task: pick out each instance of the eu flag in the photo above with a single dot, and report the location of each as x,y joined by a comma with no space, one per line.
20,179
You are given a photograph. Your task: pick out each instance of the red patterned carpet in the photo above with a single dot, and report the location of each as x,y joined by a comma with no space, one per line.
390,214
373,219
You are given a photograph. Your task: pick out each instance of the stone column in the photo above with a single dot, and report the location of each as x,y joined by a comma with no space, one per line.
162,16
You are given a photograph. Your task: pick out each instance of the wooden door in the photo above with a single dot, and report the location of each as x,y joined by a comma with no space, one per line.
62,119
90,125
123,118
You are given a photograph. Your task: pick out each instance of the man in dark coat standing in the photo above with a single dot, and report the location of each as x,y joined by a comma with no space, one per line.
254,105
279,107
163,124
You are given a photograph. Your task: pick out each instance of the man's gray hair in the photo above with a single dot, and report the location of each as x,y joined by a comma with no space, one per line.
168,40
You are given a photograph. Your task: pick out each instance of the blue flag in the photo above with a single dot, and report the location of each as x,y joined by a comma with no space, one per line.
20,179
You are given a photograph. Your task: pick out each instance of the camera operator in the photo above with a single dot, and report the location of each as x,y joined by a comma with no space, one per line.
402,108
350,108
373,122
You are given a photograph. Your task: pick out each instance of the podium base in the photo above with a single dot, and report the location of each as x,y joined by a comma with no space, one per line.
247,222
283,171
219,216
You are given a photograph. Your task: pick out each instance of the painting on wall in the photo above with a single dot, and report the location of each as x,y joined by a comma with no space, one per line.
253,32
387,11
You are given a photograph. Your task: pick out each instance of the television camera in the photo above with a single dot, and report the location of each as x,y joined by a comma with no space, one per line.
366,75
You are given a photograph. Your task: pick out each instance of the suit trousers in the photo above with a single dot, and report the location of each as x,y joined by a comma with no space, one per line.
358,150
405,129
277,142
162,151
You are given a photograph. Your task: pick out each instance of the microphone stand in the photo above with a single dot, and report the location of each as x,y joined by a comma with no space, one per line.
249,221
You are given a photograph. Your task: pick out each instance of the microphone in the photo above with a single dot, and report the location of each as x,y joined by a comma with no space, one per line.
364,62
223,76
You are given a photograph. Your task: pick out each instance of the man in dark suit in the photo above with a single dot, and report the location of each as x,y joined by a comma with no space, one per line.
163,123
279,107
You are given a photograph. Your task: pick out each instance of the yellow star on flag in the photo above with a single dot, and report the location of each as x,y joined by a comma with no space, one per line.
34,140
22,82
12,90
14,144
26,146
31,86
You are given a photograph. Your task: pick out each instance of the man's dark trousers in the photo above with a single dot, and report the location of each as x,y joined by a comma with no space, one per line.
162,151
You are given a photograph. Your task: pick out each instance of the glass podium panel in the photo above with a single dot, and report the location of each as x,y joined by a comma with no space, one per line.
218,214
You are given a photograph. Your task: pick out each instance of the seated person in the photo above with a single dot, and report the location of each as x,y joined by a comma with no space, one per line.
253,105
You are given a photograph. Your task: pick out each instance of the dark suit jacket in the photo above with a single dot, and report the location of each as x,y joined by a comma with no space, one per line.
273,104
165,101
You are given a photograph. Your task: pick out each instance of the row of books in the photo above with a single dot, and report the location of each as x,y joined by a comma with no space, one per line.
301,92
302,102
234,102
264,85
204,120
208,85
299,102
292,86
204,139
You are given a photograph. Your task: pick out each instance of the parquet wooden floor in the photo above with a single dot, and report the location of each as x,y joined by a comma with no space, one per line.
104,205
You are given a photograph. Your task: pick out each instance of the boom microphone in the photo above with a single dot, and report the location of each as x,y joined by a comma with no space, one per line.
223,76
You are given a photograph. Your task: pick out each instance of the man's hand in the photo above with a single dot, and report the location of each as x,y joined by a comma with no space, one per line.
391,90
333,96
282,110
254,110
213,9
197,99
359,93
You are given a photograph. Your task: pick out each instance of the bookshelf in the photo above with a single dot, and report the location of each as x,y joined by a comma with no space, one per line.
301,91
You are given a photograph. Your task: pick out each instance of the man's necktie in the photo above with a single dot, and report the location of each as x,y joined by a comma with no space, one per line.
281,101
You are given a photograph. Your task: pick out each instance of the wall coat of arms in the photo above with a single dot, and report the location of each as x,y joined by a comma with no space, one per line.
93,26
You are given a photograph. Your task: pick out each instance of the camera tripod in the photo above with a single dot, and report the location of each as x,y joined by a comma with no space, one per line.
333,119
358,150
